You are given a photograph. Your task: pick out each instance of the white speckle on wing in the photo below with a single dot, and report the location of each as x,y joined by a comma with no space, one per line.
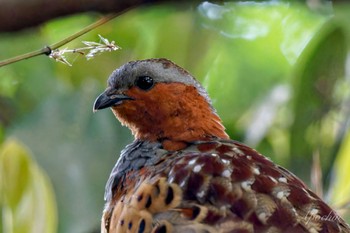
280,194
225,161
197,168
230,153
182,184
313,230
192,161
246,185
226,173
171,179
256,171
273,179
201,194
282,179
238,151
314,211
262,217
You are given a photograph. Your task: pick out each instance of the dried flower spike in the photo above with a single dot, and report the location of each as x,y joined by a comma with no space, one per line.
91,50
58,55
96,48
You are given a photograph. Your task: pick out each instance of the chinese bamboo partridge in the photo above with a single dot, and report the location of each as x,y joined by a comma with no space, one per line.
183,173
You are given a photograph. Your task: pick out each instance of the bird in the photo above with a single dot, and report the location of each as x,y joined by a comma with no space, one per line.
183,173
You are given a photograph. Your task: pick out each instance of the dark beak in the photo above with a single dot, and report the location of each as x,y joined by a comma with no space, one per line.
108,100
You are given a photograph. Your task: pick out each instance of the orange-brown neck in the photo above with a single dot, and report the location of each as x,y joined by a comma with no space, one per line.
173,113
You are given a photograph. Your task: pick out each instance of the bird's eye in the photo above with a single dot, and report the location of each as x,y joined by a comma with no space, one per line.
144,82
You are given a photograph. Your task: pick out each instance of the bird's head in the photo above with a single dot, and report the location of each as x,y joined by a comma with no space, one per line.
160,101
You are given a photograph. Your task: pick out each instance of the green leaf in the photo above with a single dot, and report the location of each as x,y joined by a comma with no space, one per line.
15,172
316,74
340,189
27,199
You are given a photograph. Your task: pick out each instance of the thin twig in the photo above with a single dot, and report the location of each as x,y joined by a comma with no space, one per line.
47,50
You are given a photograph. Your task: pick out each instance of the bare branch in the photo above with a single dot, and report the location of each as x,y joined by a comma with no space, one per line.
20,14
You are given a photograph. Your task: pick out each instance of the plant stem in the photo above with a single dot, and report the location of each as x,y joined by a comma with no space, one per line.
47,50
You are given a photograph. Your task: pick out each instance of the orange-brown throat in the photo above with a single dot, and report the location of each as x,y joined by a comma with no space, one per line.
172,112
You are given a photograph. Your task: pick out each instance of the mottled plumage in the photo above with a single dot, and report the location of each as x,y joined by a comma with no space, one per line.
183,174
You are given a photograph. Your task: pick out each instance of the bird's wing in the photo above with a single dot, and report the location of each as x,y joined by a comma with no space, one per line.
221,186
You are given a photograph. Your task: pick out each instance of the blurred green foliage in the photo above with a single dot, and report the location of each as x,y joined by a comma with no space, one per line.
27,199
317,73
275,72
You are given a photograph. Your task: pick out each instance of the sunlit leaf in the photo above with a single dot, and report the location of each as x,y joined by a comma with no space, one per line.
27,200
15,172
340,189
